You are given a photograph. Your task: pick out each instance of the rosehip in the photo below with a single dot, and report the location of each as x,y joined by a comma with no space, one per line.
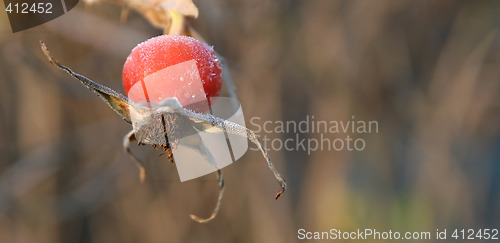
172,66
163,67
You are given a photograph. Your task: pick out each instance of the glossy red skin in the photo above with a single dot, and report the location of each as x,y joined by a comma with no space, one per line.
164,51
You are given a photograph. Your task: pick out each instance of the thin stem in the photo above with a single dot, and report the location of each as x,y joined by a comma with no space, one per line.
177,23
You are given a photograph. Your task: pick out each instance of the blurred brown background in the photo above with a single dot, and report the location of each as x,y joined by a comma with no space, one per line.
427,71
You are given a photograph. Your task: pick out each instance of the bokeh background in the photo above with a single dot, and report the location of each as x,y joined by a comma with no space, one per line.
427,71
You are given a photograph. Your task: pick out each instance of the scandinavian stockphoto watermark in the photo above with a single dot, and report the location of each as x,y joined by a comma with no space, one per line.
388,234
311,134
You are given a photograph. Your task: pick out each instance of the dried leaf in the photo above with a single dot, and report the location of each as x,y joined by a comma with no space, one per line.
156,11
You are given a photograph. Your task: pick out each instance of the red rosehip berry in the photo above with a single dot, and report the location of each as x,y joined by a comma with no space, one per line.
172,66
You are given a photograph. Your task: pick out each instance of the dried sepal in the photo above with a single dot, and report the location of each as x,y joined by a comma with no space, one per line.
220,181
119,103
